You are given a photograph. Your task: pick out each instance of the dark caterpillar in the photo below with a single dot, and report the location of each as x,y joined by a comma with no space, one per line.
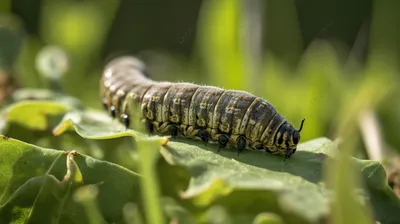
210,113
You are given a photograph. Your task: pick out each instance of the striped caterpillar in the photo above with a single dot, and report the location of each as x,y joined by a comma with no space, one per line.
209,113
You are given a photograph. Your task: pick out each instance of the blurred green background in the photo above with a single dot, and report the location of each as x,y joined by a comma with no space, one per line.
333,62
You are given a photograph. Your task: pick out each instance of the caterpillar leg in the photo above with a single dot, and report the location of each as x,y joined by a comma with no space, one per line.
204,135
222,142
112,111
149,126
173,131
192,131
241,143
125,120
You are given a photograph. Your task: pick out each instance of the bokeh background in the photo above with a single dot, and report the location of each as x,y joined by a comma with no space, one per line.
333,62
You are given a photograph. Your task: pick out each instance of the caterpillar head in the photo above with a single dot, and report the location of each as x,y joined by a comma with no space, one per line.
287,138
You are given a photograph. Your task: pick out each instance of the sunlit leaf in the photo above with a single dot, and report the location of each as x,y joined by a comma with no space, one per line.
35,188
35,114
255,182
95,125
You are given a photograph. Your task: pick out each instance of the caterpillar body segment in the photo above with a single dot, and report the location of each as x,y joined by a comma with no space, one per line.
212,114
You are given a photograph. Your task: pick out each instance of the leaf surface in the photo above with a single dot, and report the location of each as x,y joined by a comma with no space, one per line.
36,185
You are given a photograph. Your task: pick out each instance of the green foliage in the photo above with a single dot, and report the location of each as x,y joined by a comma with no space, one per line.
36,119
183,180
87,168
37,187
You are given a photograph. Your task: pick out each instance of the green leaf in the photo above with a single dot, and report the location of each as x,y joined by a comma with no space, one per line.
35,115
37,184
255,182
92,125
96,125
205,183
294,189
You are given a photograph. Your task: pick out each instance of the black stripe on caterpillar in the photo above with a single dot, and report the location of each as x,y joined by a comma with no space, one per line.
230,117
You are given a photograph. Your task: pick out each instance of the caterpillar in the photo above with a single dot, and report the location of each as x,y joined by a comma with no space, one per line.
209,113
